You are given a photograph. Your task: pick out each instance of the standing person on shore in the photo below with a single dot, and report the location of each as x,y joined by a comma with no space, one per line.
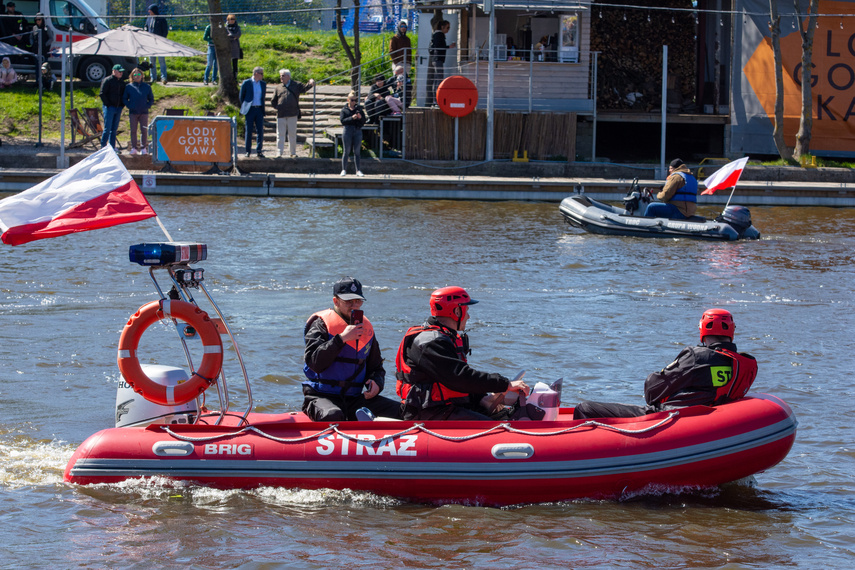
40,36
253,92
112,94
436,63
212,57
286,101
401,48
157,25
13,26
233,31
138,98
352,119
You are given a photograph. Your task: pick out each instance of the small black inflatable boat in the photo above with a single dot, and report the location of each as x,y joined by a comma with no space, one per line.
601,218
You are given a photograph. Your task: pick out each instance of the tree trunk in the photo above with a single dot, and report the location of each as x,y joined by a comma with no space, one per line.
784,151
803,136
353,55
227,87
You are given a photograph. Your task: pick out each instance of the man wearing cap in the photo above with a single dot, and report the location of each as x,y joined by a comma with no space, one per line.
401,48
342,358
112,93
435,382
679,196
13,24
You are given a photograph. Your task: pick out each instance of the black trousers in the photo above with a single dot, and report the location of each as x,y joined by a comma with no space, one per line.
587,409
334,408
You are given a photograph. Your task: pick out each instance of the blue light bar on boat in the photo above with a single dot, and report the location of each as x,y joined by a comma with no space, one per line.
169,253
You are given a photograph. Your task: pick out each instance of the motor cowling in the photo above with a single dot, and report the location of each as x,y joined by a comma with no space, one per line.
631,201
132,410
738,217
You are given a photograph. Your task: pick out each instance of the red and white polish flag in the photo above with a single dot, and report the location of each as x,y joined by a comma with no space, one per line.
725,177
98,192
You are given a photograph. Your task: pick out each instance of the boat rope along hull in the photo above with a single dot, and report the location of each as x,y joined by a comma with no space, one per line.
698,448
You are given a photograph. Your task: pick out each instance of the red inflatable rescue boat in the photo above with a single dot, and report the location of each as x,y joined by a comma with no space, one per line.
165,430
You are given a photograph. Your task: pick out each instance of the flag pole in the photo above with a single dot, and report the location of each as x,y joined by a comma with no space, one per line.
732,190
159,223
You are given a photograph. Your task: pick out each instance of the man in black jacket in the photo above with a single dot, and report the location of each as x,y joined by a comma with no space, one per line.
434,380
112,92
343,366
13,26
157,25
709,374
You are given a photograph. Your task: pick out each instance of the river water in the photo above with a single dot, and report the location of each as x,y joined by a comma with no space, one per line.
601,312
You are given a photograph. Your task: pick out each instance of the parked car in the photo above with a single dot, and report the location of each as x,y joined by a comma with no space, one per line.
62,16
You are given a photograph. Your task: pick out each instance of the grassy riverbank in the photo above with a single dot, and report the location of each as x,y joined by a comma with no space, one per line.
316,55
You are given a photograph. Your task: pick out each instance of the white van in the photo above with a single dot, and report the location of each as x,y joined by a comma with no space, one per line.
62,16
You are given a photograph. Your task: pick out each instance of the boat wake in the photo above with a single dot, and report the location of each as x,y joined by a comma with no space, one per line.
161,488
27,462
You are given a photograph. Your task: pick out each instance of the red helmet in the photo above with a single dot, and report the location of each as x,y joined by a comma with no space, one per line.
444,301
717,322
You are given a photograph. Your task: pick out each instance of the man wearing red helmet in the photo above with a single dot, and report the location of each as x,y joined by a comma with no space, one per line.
709,374
434,380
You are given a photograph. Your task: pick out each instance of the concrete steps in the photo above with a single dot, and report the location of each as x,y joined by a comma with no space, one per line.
320,108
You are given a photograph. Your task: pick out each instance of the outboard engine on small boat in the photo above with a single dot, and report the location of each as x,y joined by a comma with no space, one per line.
636,198
737,217
132,410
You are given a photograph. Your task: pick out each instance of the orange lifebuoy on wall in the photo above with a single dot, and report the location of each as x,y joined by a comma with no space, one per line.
205,375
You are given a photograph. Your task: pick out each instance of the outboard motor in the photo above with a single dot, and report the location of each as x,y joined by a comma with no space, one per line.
738,217
134,410
635,198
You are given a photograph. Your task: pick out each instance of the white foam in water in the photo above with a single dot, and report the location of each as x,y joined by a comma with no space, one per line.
25,462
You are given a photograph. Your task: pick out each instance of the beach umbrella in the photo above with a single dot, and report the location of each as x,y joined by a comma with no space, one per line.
6,49
130,41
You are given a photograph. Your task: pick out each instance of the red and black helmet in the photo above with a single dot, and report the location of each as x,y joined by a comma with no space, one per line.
443,301
717,322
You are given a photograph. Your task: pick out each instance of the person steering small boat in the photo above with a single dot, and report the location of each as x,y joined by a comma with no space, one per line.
679,196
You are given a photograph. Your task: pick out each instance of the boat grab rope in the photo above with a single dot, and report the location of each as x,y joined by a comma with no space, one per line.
250,428
333,428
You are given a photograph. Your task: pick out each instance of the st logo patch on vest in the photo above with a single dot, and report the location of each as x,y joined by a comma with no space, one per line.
721,375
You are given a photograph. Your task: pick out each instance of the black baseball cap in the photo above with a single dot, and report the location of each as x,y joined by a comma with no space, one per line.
676,163
348,289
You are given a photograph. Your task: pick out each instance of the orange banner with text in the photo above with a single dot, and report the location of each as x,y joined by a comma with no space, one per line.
193,139
832,78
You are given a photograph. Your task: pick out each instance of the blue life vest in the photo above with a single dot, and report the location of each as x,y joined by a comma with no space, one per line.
346,375
689,192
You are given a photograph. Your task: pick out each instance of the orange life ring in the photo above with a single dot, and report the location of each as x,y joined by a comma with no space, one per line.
205,375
